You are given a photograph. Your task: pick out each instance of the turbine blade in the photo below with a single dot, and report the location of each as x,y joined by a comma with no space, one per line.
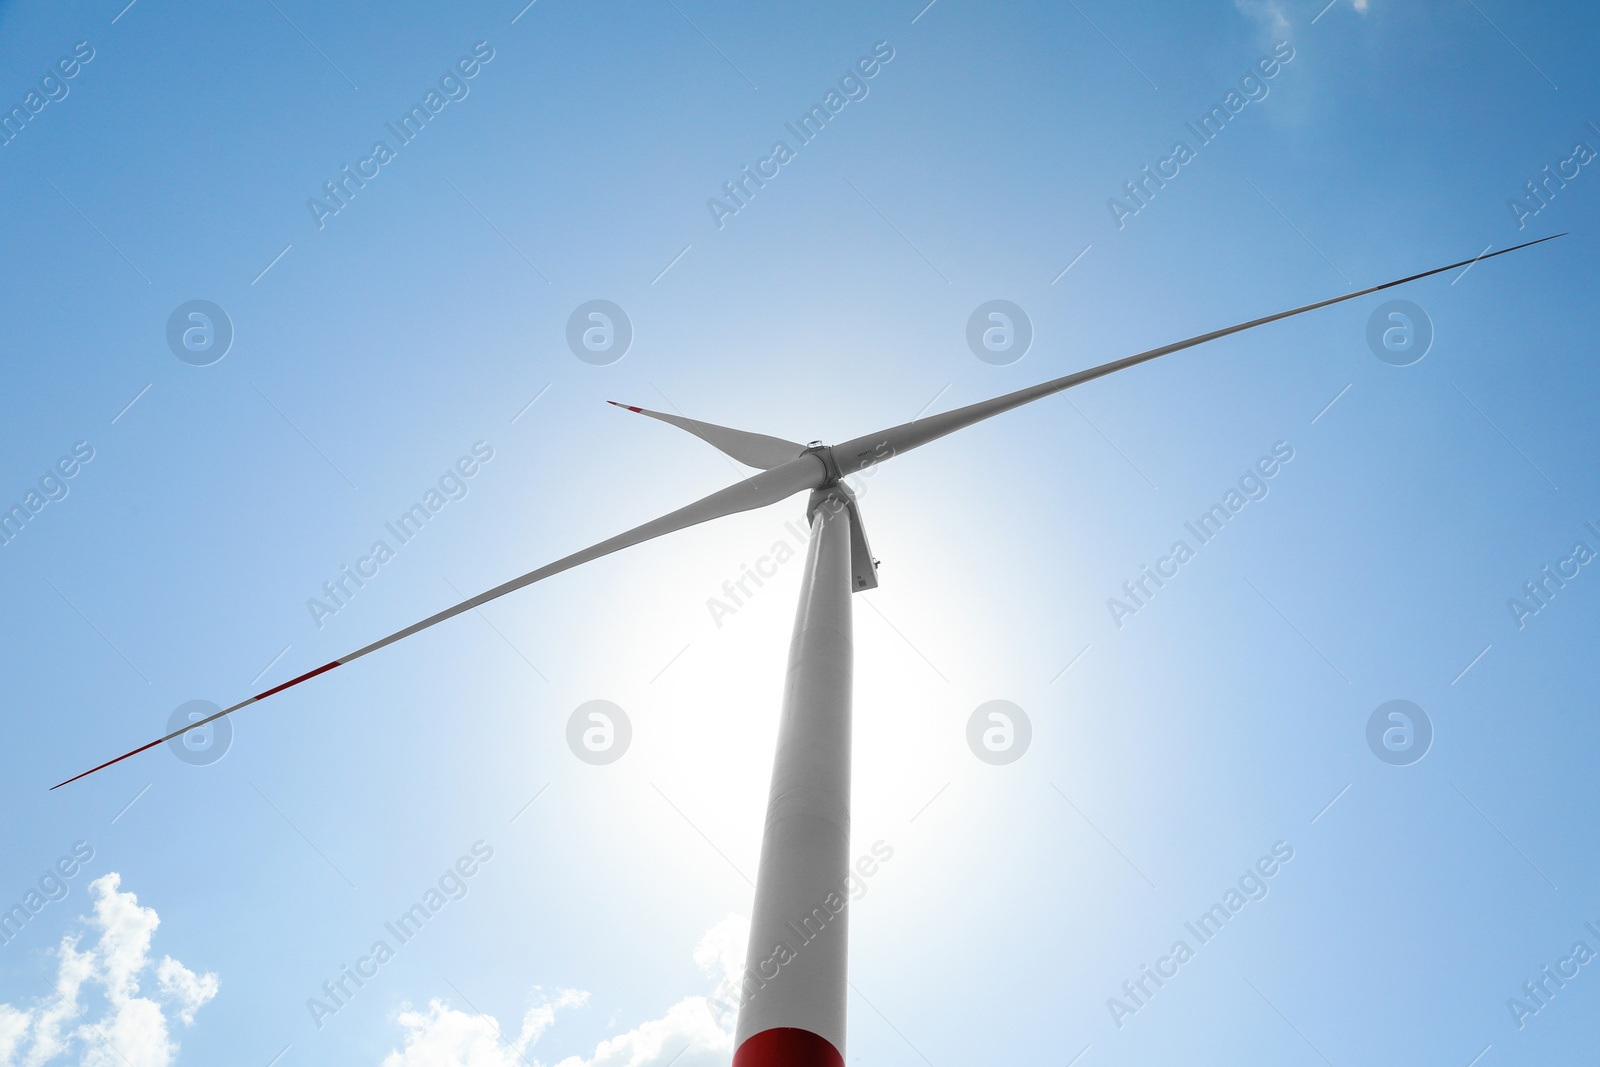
757,491
864,451
751,449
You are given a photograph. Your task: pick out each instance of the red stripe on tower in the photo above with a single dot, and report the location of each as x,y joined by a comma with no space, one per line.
787,1046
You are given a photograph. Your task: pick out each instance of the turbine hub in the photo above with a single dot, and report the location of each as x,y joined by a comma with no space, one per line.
825,454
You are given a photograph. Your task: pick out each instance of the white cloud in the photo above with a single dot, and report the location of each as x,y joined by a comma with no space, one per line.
1269,12
720,953
130,1029
186,989
445,1037
689,1034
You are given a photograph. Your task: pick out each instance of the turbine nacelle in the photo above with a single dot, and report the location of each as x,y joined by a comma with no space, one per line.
838,497
771,453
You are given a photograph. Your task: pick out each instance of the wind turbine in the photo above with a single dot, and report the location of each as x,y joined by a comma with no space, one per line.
795,1016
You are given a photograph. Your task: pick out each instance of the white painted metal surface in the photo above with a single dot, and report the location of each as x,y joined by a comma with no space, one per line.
795,968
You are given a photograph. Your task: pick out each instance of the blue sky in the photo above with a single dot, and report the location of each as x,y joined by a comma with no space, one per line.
428,317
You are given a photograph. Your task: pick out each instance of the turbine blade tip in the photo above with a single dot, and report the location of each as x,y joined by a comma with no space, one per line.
625,407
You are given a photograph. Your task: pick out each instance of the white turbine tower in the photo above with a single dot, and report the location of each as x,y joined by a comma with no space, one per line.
792,1003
